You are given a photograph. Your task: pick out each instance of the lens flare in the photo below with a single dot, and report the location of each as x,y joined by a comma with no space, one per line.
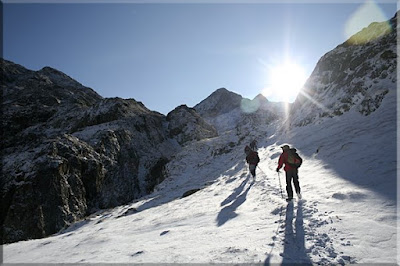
369,14
321,106
249,106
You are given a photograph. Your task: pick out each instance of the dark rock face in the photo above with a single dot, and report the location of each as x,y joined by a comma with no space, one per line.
67,151
356,74
33,100
156,174
52,189
185,125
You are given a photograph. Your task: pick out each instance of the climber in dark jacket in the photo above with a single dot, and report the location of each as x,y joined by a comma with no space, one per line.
252,159
253,145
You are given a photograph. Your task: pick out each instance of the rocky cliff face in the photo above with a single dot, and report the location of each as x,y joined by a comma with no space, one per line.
67,151
185,125
356,75
44,172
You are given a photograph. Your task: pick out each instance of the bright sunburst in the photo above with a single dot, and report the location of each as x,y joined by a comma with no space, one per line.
284,82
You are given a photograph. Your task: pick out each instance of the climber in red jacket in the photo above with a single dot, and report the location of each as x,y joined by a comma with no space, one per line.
292,162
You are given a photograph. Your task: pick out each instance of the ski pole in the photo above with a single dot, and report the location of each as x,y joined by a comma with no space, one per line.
280,185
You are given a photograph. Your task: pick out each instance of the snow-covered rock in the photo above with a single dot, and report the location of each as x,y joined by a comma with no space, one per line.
227,110
185,124
68,151
357,75
220,102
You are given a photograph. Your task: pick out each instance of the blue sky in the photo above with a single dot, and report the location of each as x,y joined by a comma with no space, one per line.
165,55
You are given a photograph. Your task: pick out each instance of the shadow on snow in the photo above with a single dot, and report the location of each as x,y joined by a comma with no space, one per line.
294,251
238,197
158,199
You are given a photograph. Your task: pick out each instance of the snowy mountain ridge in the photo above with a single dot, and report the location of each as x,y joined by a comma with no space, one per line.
227,110
90,152
232,218
208,209
356,74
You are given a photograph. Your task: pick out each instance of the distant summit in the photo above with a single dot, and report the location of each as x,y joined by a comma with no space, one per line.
219,102
261,98
226,110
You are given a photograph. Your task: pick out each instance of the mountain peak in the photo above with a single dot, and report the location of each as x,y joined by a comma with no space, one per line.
225,92
59,77
219,102
222,90
261,98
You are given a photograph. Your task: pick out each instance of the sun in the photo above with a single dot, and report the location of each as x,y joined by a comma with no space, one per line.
284,82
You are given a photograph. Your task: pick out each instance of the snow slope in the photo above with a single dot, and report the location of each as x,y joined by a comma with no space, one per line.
348,214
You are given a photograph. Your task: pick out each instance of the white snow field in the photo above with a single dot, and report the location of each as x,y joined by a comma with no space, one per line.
347,215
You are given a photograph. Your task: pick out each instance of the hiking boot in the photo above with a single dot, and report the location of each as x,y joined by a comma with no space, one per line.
299,195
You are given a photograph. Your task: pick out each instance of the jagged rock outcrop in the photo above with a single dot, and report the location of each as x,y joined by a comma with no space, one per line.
185,125
356,75
53,184
34,101
67,151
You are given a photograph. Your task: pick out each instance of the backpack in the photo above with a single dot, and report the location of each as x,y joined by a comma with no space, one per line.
294,160
253,158
257,159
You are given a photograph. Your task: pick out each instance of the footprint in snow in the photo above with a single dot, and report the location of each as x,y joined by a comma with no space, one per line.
70,234
164,232
339,196
355,196
137,253
45,243
276,211
229,180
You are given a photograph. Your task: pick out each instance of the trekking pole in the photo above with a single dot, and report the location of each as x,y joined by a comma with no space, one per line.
261,170
280,185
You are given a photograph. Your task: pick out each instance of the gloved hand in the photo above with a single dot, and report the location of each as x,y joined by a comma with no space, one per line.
277,169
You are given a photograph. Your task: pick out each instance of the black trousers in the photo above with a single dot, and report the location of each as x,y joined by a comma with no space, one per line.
252,168
292,175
